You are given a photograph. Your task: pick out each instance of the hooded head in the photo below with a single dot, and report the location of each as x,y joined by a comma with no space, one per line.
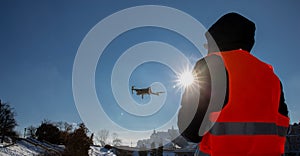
232,31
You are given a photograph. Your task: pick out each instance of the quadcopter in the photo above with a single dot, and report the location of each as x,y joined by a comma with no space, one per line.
143,91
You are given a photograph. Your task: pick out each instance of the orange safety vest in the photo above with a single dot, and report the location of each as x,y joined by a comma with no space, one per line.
250,124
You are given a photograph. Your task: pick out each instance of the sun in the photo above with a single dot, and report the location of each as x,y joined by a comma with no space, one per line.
186,79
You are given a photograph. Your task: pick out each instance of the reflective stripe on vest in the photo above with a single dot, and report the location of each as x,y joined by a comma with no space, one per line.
248,128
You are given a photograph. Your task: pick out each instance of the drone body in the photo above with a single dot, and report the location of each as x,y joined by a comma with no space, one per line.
144,91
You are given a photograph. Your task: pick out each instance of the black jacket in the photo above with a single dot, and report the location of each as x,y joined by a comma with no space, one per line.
190,132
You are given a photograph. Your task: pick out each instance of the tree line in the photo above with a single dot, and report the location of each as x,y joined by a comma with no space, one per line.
76,139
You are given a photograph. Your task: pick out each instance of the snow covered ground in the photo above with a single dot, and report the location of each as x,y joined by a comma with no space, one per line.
100,151
34,147
20,148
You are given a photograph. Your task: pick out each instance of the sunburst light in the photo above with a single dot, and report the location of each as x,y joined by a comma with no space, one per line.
185,79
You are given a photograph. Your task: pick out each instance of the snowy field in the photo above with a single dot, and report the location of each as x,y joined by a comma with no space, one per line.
34,147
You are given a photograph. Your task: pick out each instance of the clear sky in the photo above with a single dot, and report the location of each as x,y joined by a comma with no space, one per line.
39,41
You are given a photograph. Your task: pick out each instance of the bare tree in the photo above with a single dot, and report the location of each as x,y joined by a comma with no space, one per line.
68,127
31,131
116,140
64,126
7,121
102,136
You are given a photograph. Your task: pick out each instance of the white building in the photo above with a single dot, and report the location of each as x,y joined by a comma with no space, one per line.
158,138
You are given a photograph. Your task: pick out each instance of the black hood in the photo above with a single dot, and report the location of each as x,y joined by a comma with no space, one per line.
232,31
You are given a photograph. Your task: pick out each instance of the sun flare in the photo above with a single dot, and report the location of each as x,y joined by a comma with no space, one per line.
186,79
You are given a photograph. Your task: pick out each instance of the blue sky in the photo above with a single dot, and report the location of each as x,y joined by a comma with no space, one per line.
39,42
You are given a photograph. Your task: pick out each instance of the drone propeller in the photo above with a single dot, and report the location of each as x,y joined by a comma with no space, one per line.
132,88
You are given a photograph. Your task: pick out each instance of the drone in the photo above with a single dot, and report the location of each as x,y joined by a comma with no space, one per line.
143,91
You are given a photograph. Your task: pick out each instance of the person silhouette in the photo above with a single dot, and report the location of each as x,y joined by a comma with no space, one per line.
253,119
